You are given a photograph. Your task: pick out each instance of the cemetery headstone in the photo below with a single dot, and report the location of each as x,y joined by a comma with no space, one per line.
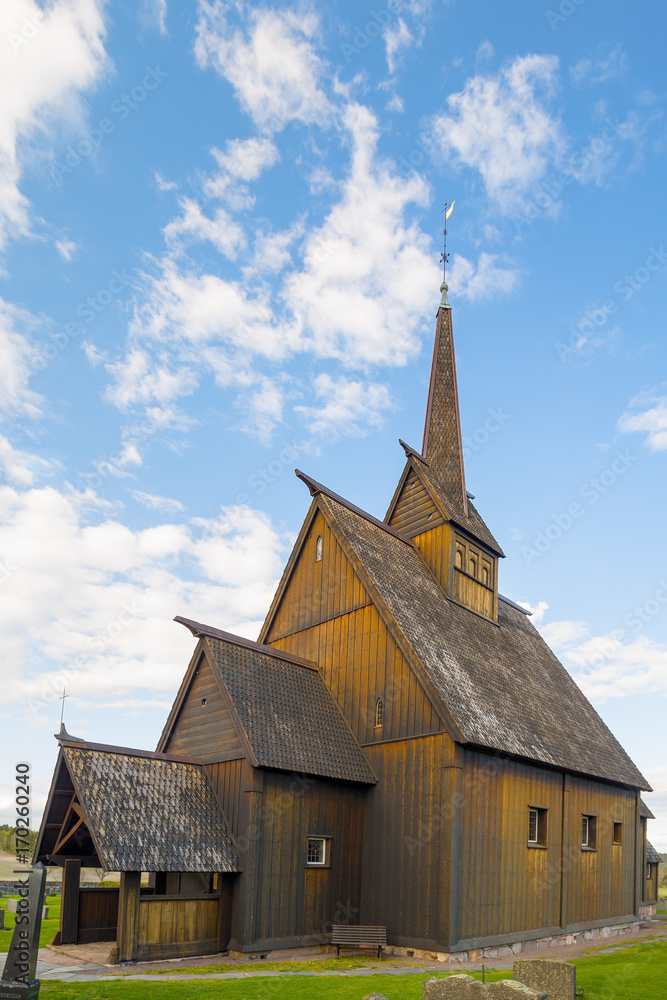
558,978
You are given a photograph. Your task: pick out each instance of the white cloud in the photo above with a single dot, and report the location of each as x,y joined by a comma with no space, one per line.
348,407
93,353
91,604
50,56
142,379
67,249
537,611
614,665
274,69
18,362
396,38
649,417
502,127
226,235
360,294
599,68
483,281
154,502
20,467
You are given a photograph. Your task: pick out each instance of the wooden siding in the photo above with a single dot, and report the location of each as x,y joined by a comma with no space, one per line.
415,510
205,731
227,778
407,841
473,594
295,904
599,883
505,885
319,590
98,914
172,927
361,662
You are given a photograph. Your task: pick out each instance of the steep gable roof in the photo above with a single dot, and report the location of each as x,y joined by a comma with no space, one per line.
148,812
652,855
448,502
501,683
286,714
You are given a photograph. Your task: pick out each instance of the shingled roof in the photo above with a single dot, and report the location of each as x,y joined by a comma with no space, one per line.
644,810
652,855
150,814
288,716
501,683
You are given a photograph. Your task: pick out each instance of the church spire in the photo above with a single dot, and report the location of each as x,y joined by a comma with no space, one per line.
442,447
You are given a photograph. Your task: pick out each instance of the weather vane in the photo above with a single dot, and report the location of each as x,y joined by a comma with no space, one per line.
444,256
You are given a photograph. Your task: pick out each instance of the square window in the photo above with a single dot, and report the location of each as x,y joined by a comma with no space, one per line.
537,826
588,832
317,854
618,833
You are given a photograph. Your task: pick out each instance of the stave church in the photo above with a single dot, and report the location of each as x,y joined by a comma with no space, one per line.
399,749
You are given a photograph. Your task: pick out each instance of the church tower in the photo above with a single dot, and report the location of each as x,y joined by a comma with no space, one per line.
431,504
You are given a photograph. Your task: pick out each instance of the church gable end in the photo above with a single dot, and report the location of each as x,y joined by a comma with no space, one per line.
202,726
322,585
414,509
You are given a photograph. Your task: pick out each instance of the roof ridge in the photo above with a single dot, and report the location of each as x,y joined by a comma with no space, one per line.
513,604
316,487
199,630
129,752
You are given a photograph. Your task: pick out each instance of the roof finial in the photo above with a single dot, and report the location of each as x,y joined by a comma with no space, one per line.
444,257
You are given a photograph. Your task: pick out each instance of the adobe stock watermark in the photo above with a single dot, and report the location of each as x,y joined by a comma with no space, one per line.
88,310
482,434
593,320
27,29
363,36
120,109
590,491
551,189
265,475
565,10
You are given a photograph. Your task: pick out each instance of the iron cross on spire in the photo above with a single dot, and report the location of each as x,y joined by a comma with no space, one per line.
444,256
62,708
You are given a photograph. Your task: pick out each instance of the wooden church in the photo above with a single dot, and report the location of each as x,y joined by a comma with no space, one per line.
400,748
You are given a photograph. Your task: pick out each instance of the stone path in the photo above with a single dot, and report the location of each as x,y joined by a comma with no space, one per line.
66,968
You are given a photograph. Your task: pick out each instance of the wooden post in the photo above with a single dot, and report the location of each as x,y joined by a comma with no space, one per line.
128,915
226,885
69,912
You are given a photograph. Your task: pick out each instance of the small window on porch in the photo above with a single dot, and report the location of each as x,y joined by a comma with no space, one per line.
379,713
618,833
318,549
649,870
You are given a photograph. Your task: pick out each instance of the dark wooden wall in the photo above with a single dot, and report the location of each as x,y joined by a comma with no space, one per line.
206,731
293,905
407,841
357,656
507,886
415,511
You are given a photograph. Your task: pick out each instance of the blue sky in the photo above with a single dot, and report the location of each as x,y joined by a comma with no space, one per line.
219,242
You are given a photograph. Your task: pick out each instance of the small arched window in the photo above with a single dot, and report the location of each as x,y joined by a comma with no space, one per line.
459,557
485,576
318,549
473,566
379,713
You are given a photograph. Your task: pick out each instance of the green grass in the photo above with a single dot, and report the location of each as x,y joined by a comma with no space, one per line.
314,965
638,972
49,927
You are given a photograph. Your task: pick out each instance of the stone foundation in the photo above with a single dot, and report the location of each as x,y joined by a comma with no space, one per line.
647,911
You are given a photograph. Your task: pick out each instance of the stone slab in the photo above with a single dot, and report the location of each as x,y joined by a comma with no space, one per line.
467,988
558,978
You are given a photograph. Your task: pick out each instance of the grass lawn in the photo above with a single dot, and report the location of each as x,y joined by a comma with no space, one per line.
49,927
638,972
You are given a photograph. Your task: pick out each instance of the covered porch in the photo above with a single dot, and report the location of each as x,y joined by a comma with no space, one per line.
135,812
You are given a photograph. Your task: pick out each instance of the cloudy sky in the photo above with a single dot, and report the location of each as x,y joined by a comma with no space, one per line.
219,239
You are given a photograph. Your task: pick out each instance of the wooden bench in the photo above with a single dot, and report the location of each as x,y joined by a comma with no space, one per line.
359,937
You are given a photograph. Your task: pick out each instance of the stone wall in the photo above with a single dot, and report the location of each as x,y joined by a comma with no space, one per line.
467,988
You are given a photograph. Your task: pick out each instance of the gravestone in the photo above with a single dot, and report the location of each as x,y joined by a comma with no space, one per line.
18,979
466,988
558,978
2,920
